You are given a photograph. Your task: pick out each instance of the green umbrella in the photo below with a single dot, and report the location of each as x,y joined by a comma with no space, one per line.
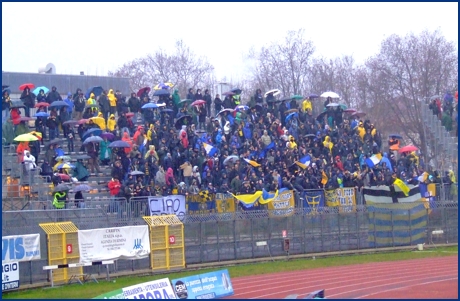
298,97
343,106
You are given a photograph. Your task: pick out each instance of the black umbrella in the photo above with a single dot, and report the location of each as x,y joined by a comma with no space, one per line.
161,92
4,87
58,104
236,91
321,116
17,104
92,131
257,106
275,101
61,187
183,120
228,93
285,98
91,106
54,141
186,100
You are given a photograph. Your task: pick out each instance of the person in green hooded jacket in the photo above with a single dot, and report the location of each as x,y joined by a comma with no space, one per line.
176,101
80,171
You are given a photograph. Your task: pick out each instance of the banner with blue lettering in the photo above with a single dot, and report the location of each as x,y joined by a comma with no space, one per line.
157,289
17,248
211,285
313,200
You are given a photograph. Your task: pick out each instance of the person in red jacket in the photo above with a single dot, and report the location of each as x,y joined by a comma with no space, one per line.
15,115
338,163
114,188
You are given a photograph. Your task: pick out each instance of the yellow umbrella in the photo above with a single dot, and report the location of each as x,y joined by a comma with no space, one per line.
99,121
25,137
162,86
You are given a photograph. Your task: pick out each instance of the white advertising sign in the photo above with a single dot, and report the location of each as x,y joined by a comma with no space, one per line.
131,242
16,248
10,276
167,205
157,289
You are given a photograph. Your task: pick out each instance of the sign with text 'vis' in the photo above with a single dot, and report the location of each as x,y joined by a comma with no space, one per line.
211,285
157,289
16,248
167,205
131,242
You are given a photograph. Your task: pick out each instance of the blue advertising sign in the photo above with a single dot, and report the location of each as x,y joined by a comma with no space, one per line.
211,285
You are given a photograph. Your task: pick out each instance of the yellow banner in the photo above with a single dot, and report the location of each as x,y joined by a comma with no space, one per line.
344,198
225,203
283,204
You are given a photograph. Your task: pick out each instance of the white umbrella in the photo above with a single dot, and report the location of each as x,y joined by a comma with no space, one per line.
333,104
330,94
275,92
231,158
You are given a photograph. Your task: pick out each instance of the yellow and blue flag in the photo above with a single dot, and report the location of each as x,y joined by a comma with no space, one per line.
268,197
210,150
404,188
252,163
248,200
304,162
374,160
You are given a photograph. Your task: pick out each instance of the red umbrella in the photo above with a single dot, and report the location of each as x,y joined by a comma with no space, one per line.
130,114
358,114
25,118
408,149
142,91
64,177
42,104
198,102
23,86
349,111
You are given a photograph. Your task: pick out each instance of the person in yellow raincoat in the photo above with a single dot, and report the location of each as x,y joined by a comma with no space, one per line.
361,130
291,144
327,143
112,101
100,121
92,101
111,123
306,105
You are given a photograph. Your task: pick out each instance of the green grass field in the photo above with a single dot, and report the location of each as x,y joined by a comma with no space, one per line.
90,289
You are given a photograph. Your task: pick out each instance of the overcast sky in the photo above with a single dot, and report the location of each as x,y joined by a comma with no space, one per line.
98,37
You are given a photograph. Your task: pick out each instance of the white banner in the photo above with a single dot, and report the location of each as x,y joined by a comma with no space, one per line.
167,205
157,289
20,248
131,242
10,276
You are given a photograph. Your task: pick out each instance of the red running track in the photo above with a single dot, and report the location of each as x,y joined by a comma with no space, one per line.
427,278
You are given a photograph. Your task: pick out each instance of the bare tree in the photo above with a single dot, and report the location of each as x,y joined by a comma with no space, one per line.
284,66
406,71
182,67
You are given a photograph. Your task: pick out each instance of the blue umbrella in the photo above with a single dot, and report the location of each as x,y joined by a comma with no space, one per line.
97,90
58,104
42,114
93,131
119,143
161,92
150,105
313,95
395,136
6,90
94,139
290,116
82,187
37,90
241,108
166,111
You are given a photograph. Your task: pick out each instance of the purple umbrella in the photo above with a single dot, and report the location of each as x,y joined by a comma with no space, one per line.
108,136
